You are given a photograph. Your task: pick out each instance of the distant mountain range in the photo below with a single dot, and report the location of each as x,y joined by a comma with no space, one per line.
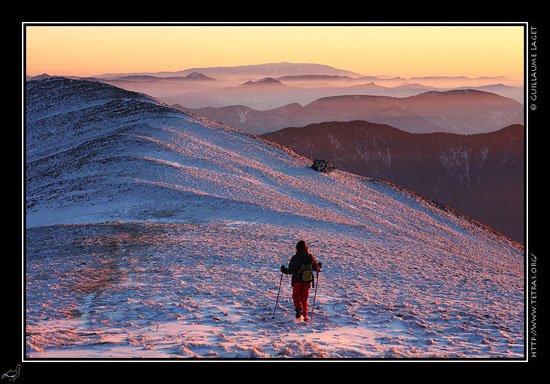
458,81
197,90
193,76
299,72
452,81
301,83
480,175
314,77
307,92
459,111
252,71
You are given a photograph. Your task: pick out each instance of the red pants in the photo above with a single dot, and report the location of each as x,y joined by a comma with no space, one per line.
300,293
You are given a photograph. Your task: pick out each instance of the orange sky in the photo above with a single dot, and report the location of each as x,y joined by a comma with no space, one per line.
370,50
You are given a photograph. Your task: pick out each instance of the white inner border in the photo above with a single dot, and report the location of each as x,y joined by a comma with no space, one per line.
282,24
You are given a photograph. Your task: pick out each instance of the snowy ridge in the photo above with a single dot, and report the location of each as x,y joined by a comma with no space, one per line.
152,233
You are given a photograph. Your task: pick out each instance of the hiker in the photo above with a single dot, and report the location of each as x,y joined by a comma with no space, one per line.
301,266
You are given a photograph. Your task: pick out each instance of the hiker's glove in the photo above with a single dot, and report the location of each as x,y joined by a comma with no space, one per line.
319,265
284,269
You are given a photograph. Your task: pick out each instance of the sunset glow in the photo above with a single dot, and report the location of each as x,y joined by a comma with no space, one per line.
405,51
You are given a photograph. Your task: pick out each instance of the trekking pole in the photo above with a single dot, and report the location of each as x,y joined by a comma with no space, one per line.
315,295
278,293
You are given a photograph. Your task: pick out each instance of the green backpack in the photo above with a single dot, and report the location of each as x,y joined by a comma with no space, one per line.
305,273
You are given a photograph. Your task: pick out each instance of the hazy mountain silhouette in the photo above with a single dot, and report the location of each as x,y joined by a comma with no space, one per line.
252,71
267,81
457,111
197,76
314,77
193,76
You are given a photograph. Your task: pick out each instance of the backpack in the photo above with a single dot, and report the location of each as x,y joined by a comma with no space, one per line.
305,273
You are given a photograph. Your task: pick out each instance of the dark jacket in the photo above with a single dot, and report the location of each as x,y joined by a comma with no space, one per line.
297,260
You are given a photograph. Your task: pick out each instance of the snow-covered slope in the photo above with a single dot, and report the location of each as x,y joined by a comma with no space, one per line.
151,233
